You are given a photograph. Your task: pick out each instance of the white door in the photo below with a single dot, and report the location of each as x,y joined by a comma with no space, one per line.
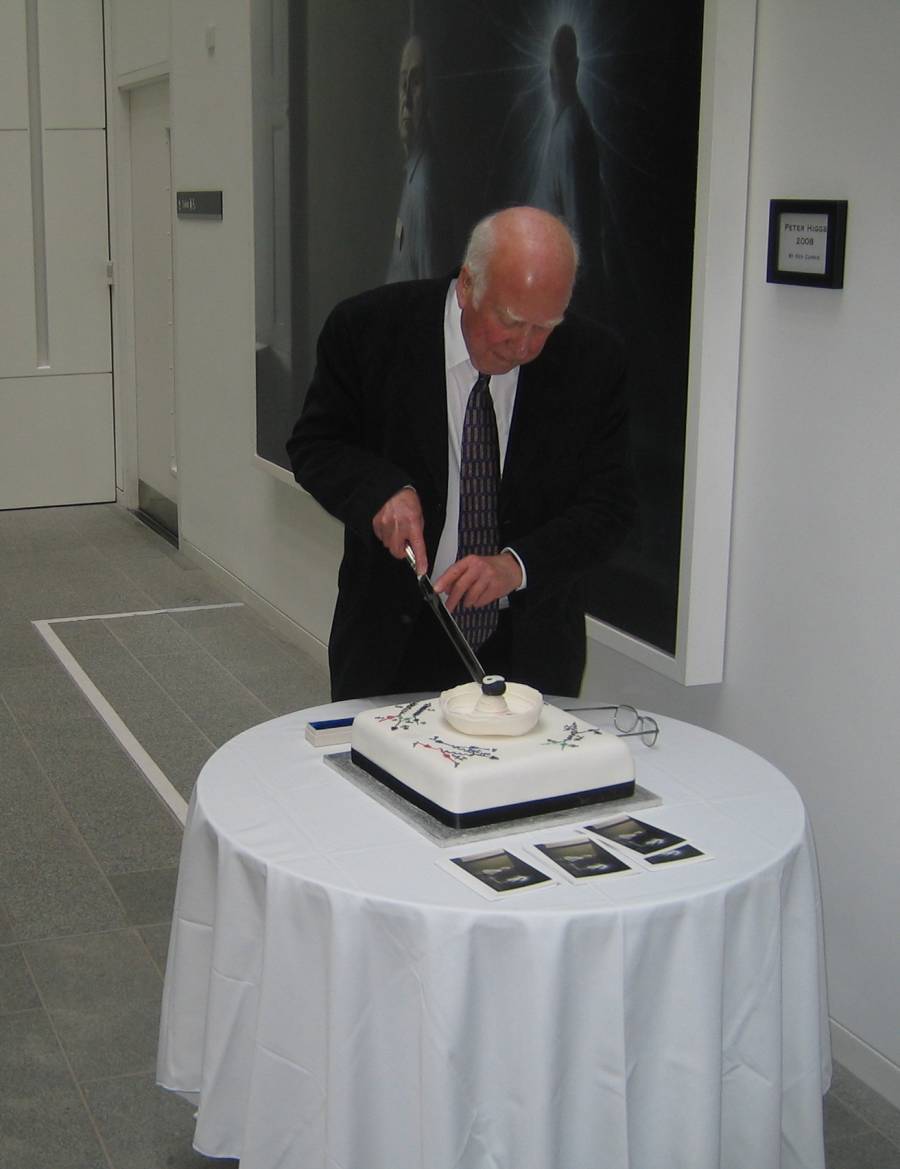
56,399
151,224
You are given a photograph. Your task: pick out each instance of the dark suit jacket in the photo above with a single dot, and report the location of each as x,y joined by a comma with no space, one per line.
375,419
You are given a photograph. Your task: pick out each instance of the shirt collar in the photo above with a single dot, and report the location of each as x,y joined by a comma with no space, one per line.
455,351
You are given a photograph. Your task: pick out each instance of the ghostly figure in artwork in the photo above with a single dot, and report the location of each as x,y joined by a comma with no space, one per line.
570,182
420,229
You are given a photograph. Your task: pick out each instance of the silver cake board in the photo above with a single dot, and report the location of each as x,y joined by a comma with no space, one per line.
444,834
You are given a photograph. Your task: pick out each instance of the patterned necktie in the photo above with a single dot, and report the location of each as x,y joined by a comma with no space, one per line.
479,489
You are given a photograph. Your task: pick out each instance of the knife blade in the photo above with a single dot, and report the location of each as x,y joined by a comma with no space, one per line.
445,617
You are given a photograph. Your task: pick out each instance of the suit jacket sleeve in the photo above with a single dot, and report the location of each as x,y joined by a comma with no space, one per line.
335,451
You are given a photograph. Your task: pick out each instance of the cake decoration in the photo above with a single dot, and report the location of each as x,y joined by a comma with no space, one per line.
506,775
458,753
402,717
573,736
466,777
492,707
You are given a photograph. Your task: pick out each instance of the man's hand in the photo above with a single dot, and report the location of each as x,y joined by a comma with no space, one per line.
398,523
477,580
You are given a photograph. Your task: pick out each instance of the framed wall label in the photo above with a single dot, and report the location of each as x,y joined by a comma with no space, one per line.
198,204
806,242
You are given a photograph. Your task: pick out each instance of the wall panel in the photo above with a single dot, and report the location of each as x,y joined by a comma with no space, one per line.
77,250
17,328
13,76
68,457
71,56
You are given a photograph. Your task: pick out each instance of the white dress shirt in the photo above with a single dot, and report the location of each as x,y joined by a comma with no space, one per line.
461,376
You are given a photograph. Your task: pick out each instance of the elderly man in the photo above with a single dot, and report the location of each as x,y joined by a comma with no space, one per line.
384,444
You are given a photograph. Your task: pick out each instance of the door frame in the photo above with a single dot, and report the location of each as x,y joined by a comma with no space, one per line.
120,242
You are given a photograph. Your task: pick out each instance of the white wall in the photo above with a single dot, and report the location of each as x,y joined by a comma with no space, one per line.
811,679
813,636
56,400
263,532
140,38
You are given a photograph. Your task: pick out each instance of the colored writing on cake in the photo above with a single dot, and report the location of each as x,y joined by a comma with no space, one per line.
406,716
457,753
573,736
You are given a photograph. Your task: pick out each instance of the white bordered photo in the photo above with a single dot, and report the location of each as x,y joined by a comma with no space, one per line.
495,873
580,858
636,835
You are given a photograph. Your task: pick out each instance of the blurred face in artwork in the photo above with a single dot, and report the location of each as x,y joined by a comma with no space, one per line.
508,316
564,66
411,95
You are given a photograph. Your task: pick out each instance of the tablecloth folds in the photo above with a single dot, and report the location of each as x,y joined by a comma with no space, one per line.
338,1001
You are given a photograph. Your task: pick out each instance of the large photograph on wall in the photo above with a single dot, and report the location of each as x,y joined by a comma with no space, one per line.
383,132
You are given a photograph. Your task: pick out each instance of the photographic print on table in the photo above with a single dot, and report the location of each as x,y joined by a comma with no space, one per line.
636,834
501,872
681,854
582,857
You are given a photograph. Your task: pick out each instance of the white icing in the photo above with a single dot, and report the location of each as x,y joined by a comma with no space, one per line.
462,772
514,712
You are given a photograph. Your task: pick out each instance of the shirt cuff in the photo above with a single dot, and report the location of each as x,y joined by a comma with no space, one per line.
513,552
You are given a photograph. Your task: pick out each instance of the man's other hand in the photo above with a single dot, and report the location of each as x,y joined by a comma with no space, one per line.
477,580
398,523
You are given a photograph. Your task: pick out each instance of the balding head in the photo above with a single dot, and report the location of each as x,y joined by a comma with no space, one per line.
515,285
537,245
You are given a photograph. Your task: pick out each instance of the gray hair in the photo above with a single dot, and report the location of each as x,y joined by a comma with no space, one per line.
480,249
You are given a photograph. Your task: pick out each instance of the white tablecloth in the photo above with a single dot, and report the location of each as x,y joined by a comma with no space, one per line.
337,1000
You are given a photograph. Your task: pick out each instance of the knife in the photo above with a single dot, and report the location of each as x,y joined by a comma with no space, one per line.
453,631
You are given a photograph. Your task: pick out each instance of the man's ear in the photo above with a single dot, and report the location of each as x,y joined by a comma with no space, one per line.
464,286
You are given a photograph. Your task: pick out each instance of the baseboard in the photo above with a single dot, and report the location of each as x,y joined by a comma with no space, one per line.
158,511
867,1064
155,525
279,621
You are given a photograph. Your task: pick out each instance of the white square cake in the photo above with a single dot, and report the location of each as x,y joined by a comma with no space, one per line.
467,779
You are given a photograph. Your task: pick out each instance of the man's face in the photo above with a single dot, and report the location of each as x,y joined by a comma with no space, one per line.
512,320
411,105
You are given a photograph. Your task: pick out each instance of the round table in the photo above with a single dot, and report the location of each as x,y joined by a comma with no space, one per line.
336,999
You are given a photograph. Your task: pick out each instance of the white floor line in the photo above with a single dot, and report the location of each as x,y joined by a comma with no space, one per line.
151,771
140,613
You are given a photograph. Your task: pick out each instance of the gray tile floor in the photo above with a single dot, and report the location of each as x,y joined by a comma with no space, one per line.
88,852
